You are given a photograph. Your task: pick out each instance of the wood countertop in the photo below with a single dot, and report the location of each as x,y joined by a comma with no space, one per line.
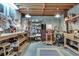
70,36
9,35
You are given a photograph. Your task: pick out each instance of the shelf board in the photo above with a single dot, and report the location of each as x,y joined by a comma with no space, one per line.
75,45
13,53
7,37
8,54
20,41
2,21
72,49
74,17
4,44
76,40
23,47
9,49
1,52
10,35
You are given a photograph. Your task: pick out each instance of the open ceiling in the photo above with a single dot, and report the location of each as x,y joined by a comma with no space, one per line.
44,9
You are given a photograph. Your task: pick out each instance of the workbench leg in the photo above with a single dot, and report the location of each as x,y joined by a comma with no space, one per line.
4,51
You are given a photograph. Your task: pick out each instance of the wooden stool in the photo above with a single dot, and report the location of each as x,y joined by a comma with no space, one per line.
49,38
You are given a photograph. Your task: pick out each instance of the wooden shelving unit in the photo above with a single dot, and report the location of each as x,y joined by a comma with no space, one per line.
50,38
36,29
12,54
72,19
20,41
69,42
13,44
22,48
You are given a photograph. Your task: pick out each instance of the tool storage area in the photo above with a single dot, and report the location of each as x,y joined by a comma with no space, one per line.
13,44
26,29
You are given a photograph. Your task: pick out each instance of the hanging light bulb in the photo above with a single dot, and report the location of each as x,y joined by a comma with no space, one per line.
28,15
57,15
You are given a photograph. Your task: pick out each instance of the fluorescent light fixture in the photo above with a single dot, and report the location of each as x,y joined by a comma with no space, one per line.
28,16
57,15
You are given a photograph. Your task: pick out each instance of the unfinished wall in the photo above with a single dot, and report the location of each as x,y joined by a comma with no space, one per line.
49,20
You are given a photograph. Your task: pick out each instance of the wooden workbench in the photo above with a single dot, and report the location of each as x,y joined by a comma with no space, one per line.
70,38
5,43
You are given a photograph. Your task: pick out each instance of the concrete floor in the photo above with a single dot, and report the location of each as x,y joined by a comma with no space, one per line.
31,50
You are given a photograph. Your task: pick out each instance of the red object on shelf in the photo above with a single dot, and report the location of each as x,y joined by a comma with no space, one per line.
13,30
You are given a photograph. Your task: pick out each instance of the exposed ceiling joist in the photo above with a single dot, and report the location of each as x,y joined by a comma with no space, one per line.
44,9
